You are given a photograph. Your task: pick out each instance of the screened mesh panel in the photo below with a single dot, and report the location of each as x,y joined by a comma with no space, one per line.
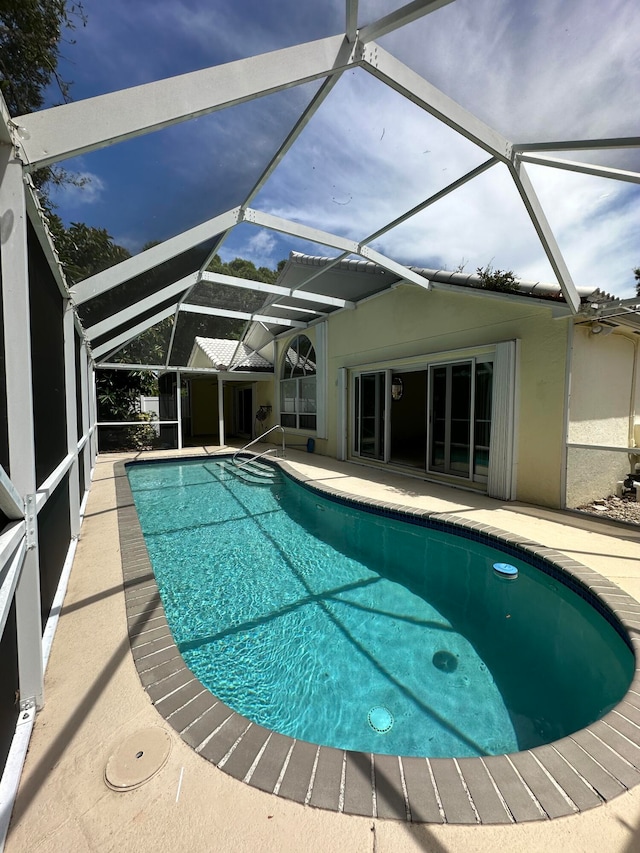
148,348
9,685
146,47
353,170
211,164
4,434
47,358
126,329
54,534
132,291
77,354
533,71
466,230
226,296
190,325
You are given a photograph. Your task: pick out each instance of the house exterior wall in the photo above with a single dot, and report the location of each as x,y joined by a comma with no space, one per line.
602,411
199,359
408,325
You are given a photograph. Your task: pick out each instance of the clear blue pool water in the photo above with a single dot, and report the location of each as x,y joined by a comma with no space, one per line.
344,628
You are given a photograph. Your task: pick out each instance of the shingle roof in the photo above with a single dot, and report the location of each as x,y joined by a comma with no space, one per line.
221,352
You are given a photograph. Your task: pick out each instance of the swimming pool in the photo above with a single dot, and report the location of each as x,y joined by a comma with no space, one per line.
308,616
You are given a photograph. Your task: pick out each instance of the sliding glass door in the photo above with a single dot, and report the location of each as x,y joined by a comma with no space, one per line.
436,419
370,396
460,419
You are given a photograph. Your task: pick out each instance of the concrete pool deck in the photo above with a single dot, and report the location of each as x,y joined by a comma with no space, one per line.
95,701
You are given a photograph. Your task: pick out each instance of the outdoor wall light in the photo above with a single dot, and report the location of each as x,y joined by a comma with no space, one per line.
396,388
600,329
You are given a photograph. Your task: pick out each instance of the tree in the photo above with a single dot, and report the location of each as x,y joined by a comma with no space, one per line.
31,32
30,36
83,249
636,275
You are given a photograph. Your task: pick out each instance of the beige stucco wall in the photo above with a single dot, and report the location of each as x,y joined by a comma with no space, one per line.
200,359
601,412
410,324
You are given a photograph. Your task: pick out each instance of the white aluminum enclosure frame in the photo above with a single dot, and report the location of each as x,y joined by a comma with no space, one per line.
53,135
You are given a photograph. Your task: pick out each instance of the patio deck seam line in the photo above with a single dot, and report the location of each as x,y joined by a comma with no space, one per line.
249,774
467,792
233,748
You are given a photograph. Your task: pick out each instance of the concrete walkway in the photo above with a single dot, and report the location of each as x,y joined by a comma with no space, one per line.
94,701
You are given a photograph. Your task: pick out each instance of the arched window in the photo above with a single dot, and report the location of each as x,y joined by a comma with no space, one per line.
298,401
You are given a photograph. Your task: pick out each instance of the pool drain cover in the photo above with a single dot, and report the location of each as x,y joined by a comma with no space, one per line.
137,759
380,719
445,661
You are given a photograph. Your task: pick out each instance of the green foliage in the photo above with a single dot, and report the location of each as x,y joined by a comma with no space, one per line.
30,35
501,280
83,249
636,275
242,268
31,32
118,393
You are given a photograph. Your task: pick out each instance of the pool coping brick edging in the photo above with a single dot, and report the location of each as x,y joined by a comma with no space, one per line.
573,774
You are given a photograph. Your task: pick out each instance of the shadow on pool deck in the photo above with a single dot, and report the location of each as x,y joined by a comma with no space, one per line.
93,701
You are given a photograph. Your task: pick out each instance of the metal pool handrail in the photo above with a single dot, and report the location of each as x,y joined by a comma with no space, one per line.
255,456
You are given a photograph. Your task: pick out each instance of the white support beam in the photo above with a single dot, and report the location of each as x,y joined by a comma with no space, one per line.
241,315
153,257
124,338
411,85
584,168
399,18
20,423
263,287
417,209
86,425
179,407
93,415
445,191
133,311
351,23
221,436
398,269
545,235
71,401
578,144
297,229
55,134
45,238
285,226
236,375
11,503
11,570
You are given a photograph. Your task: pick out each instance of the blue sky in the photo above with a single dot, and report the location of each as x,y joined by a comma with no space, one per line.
536,71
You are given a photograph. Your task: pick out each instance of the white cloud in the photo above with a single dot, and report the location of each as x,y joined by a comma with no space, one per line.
84,188
257,246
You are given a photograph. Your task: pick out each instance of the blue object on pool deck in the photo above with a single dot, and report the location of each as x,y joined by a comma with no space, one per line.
311,445
380,719
505,570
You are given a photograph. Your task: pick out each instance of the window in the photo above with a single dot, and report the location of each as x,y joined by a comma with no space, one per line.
298,398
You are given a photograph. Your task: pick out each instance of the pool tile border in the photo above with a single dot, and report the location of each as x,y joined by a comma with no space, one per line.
576,773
